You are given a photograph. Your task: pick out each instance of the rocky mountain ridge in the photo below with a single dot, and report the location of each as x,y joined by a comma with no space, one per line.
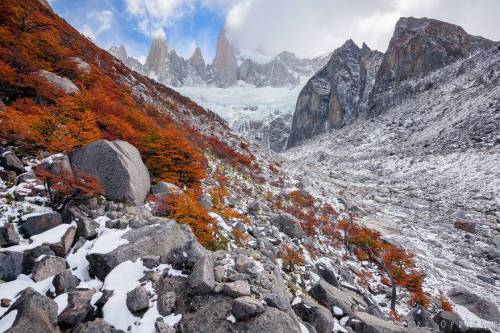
417,48
228,67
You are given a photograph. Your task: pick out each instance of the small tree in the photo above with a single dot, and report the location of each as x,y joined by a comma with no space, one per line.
444,302
290,257
68,186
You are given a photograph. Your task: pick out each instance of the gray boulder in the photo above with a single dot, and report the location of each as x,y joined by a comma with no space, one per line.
11,265
62,247
246,307
35,313
65,282
138,300
271,320
85,226
119,167
166,303
8,235
60,82
315,314
366,323
237,288
162,240
330,296
449,322
419,317
48,266
202,280
288,224
9,161
78,309
327,274
30,257
482,308
96,326
277,301
34,225
8,176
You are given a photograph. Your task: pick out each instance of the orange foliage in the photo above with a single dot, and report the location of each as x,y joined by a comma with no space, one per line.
68,187
240,236
290,257
364,278
444,302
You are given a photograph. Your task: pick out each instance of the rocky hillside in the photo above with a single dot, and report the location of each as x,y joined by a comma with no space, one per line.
125,207
229,66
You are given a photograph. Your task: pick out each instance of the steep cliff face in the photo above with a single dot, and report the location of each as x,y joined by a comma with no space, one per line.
418,47
158,55
225,62
337,94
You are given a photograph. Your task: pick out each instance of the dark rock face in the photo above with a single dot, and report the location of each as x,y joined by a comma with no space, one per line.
35,313
418,47
78,309
119,167
337,94
8,235
65,282
329,296
246,307
48,266
364,322
201,280
37,224
138,299
9,161
32,255
11,265
318,316
288,224
449,322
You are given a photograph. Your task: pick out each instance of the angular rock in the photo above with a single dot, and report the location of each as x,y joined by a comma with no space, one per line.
30,257
9,161
34,225
25,177
35,313
166,303
419,317
8,176
482,308
277,301
96,326
78,309
119,167
165,188
65,282
225,62
62,248
243,263
364,322
329,296
162,240
8,235
327,274
138,300
202,280
85,226
315,314
288,224
5,302
237,288
48,266
246,307
60,82
162,327
151,261
11,265
271,320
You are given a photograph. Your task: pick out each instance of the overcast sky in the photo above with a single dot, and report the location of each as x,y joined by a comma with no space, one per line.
305,27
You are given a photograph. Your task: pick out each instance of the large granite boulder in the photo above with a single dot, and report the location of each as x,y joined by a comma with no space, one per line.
11,265
315,314
119,167
329,296
35,224
60,82
366,323
482,308
288,224
9,161
163,239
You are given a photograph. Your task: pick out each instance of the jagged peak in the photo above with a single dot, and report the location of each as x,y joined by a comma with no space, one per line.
349,45
414,24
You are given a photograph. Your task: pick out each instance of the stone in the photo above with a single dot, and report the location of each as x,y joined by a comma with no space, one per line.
165,188
271,320
96,326
11,265
330,296
277,301
9,161
243,263
78,309
60,82
36,224
317,315
449,322
166,303
246,307
138,300
62,247
328,274
166,239
205,201
82,66
419,317
5,302
479,306
162,327
202,280
254,206
288,224
25,177
466,226
237,288
151,261
35,313
8,235
65,282
364,322
30,257
8,176
119,167
85,227
48,266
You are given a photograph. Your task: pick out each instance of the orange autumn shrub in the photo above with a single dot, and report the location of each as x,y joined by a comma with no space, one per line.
290,257
444,302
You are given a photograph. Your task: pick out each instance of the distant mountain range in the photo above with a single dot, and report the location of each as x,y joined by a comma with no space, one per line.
228,68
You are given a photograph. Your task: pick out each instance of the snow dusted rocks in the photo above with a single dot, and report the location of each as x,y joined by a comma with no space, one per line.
10,162
482,308
78,309
8,235
119,167
138,300
38,223
329,296
48,266
317,315
60,82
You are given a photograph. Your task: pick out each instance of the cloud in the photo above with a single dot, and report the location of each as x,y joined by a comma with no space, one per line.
97,23
314,27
